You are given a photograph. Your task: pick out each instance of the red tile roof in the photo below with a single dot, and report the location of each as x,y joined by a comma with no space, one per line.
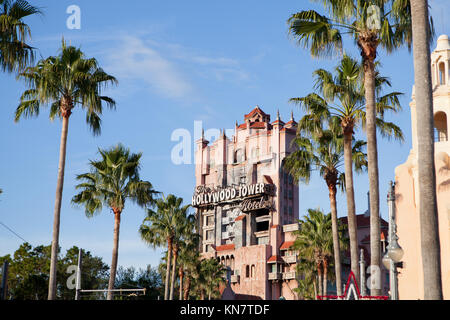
225,247
240,217
286,245
275,259
292,122
258,125
255,110
278,121
364,221
242,126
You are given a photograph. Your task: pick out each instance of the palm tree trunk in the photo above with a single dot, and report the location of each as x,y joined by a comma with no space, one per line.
368,43
174,267
187,288
336,247
57,210
349,189
325,277
372,159
181,275
169,258
429,229
115,254
202,294
315,289
319,273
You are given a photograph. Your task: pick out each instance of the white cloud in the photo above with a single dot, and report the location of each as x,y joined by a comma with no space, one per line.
137,61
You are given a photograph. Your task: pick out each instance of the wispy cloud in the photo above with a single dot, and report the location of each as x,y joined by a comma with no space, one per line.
135,60
171,70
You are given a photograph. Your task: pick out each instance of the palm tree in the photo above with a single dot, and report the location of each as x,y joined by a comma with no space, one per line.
183,229
429,230
63,82
371,23
314,242
160,227
307,282
188,254
189,264
15,54
324,152
342,96
213,273
113,179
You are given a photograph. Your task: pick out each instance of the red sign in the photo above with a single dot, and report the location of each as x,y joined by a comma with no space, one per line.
352,288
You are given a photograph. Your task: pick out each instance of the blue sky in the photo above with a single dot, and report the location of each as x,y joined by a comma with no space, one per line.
177,62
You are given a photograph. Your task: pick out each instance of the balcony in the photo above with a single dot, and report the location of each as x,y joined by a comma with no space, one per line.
225,235
225,220
259,234
235,278
275,276
208,226
289,275
263,218
290,227
289,259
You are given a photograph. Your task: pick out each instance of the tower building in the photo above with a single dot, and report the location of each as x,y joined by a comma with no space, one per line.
247,206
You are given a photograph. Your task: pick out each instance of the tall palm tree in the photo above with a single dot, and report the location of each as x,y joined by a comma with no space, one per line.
160,227
15,53
183,229
324,153
371,23
341,95
113,179
64,82
429,230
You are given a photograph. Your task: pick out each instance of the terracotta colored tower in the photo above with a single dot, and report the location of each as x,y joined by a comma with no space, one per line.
247,206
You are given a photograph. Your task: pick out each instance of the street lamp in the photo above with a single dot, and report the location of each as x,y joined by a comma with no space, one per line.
394,253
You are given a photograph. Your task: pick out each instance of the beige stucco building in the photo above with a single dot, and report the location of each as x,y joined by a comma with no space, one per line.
410,279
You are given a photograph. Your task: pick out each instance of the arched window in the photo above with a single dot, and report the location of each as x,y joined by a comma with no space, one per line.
239,156
442,73
440,127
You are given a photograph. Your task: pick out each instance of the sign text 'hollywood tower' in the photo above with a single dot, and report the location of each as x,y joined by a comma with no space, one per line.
204,195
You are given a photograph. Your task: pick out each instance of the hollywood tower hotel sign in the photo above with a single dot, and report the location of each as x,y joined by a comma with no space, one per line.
247,207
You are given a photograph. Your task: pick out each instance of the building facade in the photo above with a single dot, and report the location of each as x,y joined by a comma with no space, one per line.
247,206
410,279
